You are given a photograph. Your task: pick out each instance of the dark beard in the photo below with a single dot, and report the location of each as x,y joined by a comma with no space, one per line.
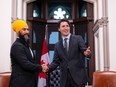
24,37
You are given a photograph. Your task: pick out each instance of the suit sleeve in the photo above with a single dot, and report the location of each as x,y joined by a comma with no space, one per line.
56,60
18,54
82,45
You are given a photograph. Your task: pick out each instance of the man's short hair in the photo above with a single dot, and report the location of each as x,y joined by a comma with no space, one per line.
63,20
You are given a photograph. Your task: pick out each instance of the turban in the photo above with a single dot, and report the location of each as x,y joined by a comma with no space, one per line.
18,25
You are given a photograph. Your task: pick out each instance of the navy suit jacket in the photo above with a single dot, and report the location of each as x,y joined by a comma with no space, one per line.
73,61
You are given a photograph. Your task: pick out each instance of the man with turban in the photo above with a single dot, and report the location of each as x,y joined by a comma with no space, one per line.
24,68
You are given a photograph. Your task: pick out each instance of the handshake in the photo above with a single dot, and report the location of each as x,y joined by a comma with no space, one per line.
44,68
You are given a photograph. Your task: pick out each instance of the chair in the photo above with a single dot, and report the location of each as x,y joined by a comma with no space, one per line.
4,79
104,79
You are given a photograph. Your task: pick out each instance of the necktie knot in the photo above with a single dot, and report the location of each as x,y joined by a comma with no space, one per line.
65,39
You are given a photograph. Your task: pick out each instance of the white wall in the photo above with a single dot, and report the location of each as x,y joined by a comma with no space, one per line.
98,38
5,35
99,58
10,10
112,33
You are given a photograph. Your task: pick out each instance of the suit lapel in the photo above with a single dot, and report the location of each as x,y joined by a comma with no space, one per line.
27,50
70,47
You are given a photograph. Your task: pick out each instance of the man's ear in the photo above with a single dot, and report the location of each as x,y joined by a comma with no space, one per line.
17,33
58,29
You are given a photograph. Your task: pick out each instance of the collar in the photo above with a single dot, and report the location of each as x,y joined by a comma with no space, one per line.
68,37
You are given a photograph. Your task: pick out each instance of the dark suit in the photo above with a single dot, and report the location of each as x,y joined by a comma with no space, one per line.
23,65
73,62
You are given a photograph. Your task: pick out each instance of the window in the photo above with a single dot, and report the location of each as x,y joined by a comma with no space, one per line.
36,10
82,9
59,13
59,10
54,37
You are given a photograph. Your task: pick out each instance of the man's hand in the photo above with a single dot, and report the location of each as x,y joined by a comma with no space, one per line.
44,68
87,52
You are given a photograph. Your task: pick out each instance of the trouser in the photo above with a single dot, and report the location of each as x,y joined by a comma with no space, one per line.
70,82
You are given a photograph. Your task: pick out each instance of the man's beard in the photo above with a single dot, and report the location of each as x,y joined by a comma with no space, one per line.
24,37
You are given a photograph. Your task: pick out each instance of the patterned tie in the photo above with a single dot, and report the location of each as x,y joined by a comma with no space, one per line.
65,44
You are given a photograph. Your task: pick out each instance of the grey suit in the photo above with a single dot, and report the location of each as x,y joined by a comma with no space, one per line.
74,61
